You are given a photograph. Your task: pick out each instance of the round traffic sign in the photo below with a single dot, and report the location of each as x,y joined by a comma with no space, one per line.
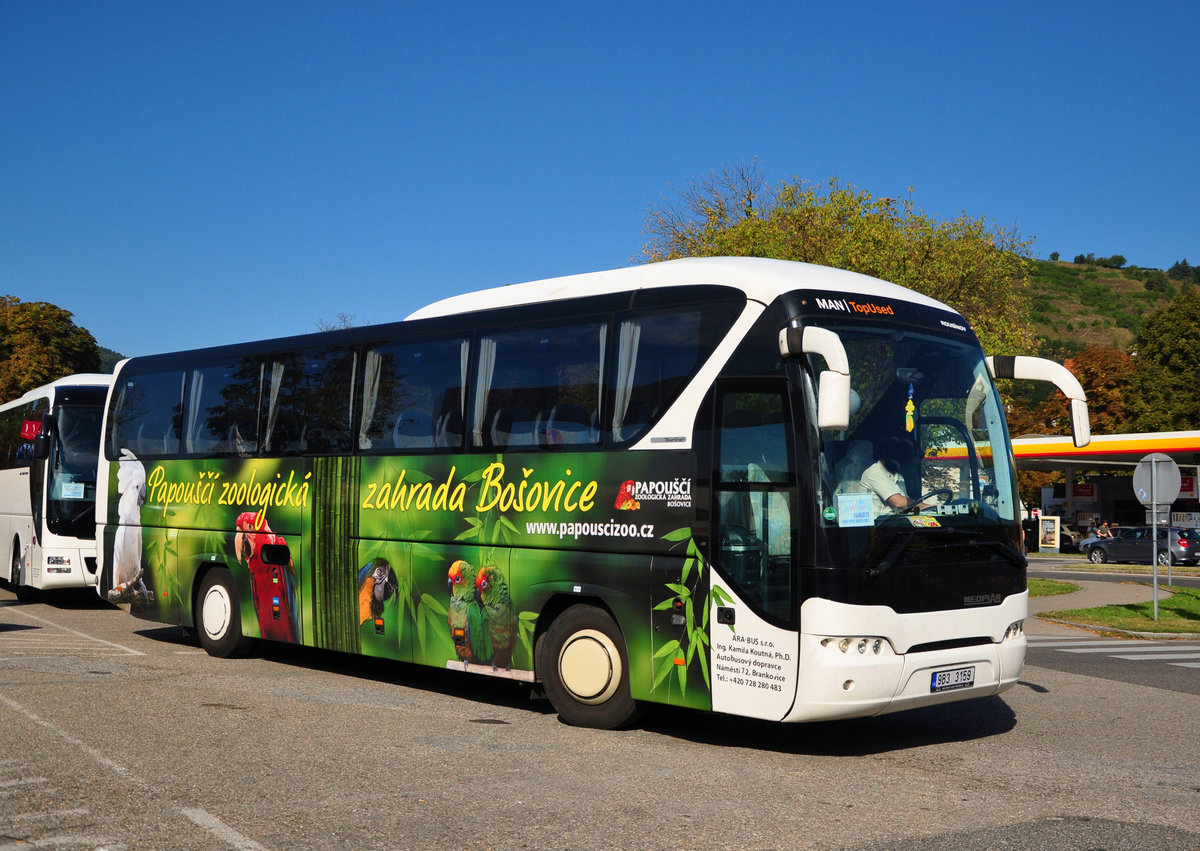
1156,480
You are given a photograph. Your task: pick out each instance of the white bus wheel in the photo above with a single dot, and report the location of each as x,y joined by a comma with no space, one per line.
219,616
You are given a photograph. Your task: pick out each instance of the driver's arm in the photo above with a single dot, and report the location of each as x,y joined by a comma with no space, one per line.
898,501
903,503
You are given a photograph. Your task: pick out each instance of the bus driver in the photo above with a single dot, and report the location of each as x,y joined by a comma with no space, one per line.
885,480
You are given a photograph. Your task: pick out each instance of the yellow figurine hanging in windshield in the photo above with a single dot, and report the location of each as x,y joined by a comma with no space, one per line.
909,410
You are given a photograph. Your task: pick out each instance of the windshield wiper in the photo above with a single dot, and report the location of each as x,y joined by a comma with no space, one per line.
1007,550
898,546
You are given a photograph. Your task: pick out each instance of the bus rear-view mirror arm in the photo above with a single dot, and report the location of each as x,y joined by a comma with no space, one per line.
1040,369
833,386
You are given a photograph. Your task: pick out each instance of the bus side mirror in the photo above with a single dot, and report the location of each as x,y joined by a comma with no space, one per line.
41,443
1040,369
833,386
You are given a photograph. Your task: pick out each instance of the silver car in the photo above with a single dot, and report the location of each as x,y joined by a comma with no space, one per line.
1134,544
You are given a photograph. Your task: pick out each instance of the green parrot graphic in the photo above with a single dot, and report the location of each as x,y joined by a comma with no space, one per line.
468,628
491,591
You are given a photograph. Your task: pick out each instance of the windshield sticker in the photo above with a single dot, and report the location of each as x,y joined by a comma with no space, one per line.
924,522
855,509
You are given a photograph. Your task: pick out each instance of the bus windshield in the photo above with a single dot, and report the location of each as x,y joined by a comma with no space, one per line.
71,473
926,446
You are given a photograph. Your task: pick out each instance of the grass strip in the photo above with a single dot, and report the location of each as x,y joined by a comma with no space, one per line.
1178,613
1051,587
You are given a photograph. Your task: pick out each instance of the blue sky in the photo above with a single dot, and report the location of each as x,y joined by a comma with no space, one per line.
192,173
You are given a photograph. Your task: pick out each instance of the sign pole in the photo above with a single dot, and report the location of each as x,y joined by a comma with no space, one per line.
1156,482
1154,529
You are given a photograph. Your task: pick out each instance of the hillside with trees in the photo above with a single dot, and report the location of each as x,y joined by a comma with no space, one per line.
1096,302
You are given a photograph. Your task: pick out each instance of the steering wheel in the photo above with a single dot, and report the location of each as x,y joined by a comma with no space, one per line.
913,508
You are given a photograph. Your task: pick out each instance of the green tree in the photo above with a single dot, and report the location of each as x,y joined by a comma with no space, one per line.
1168,366
979,269
40,342
1183,271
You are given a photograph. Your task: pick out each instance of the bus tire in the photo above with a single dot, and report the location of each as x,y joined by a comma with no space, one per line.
219,616
584,668
16,577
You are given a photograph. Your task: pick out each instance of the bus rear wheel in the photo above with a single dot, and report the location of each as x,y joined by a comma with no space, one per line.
219,616
584,669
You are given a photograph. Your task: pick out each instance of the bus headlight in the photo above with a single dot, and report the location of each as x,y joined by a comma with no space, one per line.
1014,630
862,645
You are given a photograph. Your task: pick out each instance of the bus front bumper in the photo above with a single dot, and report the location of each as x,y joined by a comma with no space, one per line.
861,674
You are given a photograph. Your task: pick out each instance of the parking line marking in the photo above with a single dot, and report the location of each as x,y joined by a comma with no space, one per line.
199,817
215,826
128,650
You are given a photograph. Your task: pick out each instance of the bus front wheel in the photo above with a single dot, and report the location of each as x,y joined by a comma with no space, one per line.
16,579
219,616
585,669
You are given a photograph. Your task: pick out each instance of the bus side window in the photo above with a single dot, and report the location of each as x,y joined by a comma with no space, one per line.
539,388
657,354
222,409
308,401
146,416
755,493
412,396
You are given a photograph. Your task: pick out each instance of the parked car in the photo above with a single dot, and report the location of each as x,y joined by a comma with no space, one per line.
1134,544
1071,532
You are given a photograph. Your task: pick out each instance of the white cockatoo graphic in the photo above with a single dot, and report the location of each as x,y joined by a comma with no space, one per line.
128,584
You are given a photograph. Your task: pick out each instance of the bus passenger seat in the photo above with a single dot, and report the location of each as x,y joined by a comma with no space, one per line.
568,425
413,430
636,418
147,445
512,427
449,429
854,463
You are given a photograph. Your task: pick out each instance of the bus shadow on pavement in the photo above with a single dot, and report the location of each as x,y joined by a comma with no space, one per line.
948,723
496,691
914,728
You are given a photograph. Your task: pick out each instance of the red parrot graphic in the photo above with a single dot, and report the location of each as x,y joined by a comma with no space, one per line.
625,500
272,586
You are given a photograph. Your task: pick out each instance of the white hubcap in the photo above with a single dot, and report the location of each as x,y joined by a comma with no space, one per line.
590,666
217,613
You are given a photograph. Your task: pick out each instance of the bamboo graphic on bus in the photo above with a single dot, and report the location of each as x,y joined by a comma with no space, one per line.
678,653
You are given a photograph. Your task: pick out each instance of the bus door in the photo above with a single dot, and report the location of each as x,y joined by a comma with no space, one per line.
38,432
754,599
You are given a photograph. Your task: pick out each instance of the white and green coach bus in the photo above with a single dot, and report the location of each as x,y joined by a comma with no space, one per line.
647,485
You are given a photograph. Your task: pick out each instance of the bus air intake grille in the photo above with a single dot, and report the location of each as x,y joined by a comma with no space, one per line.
950,644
